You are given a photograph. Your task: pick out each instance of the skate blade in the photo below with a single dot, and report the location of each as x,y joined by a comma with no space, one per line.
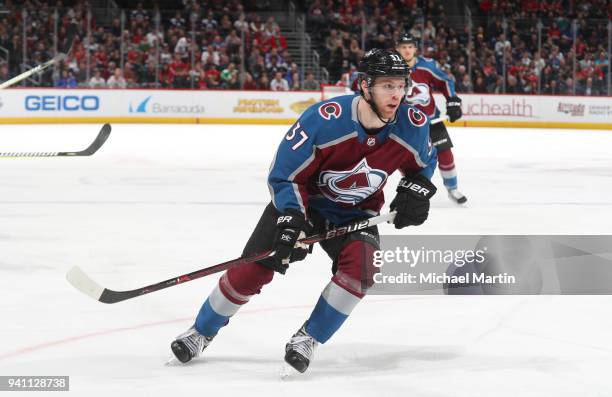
287,372
172,362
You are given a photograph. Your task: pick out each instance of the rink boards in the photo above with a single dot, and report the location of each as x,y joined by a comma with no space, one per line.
33,106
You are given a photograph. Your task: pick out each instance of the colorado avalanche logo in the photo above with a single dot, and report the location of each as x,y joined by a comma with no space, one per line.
419,94
351,187
416,117
329,110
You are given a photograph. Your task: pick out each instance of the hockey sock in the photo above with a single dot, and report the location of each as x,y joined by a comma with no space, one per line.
332,309
218,308
446,164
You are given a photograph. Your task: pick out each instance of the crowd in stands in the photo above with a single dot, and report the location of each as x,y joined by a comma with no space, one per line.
200,46
341,28
504,37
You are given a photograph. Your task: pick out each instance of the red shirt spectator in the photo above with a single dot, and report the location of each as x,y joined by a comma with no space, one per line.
277,41
554,32
261,44
134,56
166,76
530,6
178,67
485,6
249,83
138,37
212,74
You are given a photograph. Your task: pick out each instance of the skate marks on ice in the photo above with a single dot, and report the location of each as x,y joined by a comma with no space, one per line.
343,361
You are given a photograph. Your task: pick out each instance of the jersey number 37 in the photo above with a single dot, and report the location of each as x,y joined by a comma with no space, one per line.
303,137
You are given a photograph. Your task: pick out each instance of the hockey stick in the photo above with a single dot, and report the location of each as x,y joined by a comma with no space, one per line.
438,120
95,145
63,54
85,284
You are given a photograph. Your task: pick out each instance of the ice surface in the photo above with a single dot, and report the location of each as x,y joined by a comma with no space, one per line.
158,201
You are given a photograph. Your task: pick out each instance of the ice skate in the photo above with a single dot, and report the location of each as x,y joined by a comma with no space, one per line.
456,196
189,345
299,350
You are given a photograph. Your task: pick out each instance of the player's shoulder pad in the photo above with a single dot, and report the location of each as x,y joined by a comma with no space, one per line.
329,119
412,126
428,63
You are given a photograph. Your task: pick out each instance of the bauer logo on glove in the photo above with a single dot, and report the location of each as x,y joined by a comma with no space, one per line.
412,201
406,184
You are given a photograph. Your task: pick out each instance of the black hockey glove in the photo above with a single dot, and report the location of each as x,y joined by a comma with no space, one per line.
453,108
290,227
412,201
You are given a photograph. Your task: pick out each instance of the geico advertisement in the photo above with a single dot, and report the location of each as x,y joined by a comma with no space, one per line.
33,103
135,103
58,103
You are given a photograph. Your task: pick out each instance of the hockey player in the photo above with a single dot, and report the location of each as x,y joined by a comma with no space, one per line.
330,170
427,77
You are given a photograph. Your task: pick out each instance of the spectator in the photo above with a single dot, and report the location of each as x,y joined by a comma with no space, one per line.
177,21
166,77
276,40
210,52
278,83
147,77
116,80
249,83
4,72
295,81
233,83
180,70
587,88
209,23
67,80
139,15
602,63
264,82
97,81
465,85
181,47
228,75
310,83
212,76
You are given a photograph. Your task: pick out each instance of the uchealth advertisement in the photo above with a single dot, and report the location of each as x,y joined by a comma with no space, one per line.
534,108
81,105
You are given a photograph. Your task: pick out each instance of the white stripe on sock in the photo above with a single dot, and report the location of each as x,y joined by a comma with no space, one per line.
448,174
339,298
220,304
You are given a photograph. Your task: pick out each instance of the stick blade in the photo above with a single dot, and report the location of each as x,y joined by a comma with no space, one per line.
95,145
84,283
71,32
99,141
